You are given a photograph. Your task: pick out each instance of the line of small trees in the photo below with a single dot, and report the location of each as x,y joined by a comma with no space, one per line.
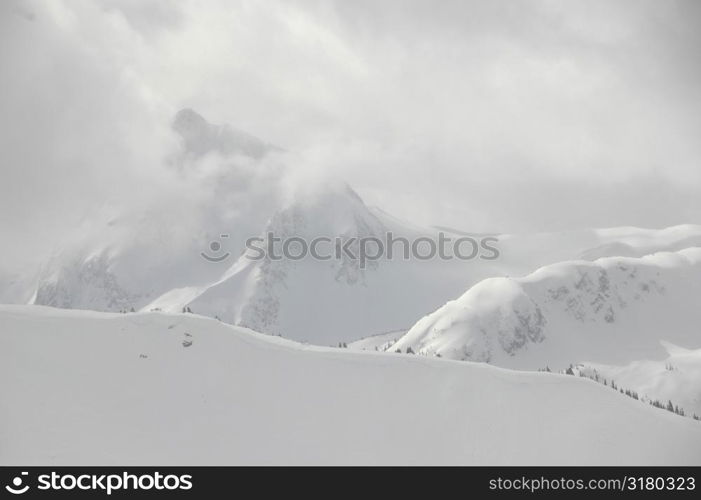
594,375
156,309
670,407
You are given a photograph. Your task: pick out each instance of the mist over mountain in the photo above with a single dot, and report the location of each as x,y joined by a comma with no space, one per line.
123,257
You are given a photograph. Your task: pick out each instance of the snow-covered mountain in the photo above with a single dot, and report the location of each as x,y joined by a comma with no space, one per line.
153,388
605,314
300,299
227,188
129,261
612,310
124,258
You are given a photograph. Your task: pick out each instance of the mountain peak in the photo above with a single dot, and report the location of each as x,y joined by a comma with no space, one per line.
201,137
188,120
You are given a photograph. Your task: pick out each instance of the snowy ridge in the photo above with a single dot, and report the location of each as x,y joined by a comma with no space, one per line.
638,242
610,310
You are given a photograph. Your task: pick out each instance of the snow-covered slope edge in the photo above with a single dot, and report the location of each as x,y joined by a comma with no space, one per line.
150,388
612,310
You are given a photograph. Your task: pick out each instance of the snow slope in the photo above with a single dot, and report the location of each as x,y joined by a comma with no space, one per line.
613,310
95,388
675,378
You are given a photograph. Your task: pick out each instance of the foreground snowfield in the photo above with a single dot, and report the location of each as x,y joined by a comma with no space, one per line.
95,388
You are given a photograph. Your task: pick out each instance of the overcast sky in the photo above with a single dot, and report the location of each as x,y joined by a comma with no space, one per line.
484,115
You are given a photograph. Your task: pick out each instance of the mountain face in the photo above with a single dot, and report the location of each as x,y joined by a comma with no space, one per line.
254,292
201,137
156,388
612,310
118,276
128,261
88,284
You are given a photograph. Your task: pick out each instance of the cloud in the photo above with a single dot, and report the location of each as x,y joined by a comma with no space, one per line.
482,114
77,129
